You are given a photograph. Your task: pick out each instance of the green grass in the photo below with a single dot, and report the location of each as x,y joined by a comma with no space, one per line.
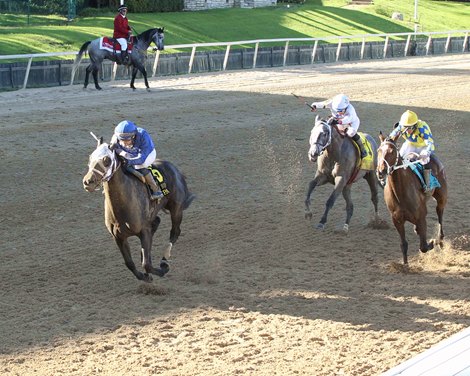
311,19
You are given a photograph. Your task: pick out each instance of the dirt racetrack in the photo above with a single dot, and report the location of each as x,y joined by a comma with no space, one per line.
254,288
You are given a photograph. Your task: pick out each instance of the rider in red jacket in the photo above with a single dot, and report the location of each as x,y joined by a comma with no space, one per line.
122,31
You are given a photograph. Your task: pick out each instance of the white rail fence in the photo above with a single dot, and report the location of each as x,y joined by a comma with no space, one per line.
340,40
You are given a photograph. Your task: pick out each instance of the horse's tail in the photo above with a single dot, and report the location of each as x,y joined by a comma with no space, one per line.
189,198
78,58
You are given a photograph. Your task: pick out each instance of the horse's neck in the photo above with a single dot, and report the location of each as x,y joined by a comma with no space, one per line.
143,43
336,145
119,189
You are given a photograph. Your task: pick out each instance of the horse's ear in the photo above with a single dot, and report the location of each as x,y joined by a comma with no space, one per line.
381,137
100,141
317,117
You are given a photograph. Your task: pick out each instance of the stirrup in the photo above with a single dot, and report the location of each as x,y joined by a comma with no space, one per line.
157,195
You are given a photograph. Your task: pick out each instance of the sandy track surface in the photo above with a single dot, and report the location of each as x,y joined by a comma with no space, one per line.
254,288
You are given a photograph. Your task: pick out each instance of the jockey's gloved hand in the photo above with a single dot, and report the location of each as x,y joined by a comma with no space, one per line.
424,155
313,107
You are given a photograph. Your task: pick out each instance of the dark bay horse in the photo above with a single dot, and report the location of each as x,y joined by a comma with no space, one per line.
130,212
136,59
337,157
404,195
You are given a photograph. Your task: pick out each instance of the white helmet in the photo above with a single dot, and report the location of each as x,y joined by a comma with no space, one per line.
340,103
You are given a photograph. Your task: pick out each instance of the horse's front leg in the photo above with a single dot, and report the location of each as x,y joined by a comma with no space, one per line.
146,243
123,245
144,73
340,183
134,74
319,179
349,207
400,226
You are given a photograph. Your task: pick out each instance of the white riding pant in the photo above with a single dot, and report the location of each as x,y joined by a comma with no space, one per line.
123,43
408,148
148,161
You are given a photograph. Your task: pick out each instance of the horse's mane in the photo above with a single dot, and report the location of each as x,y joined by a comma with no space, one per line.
148,34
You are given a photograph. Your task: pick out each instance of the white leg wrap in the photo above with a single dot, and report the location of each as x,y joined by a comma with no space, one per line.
167,252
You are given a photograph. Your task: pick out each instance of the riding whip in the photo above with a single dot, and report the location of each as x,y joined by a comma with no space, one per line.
302,99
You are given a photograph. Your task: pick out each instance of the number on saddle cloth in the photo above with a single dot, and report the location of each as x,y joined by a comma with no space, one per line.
159,179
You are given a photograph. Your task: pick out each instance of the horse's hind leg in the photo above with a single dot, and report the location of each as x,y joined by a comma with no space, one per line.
87,75
421,229
95,78
373,182
126,254
440,195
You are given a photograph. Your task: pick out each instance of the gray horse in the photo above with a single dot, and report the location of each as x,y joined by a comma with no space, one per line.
337,164
129,210
136,59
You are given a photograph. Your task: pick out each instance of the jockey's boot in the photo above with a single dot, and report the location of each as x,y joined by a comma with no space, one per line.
359,143
156,192
124,57
427,181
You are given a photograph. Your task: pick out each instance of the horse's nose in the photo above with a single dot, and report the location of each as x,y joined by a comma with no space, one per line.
87,184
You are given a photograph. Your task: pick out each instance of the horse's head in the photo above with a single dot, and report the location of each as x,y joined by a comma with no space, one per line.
158,38
387,158
320,138
101,166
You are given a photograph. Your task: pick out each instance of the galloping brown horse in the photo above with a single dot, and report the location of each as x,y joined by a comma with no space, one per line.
404,195
129,210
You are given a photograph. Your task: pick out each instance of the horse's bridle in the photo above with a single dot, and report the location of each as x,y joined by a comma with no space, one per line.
107,172
394,166
328,143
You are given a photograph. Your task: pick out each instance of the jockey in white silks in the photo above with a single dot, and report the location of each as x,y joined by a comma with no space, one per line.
345,115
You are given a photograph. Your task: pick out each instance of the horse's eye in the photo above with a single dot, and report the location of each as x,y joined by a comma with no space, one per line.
106,161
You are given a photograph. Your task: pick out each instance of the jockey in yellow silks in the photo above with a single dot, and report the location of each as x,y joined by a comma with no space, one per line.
419,140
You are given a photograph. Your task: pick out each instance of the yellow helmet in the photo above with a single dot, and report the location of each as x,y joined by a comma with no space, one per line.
408,119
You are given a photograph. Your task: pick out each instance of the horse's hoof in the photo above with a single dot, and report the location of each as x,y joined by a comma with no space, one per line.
346,228
148,89
147,278
164,266
320,226
308,216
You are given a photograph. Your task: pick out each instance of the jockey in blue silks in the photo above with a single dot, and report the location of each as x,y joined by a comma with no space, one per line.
136,146
345,115
419,140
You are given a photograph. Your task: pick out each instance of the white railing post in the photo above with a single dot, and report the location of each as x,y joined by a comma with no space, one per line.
363,47
226,56
255,55
428,45
465,41
286,50
447,43
155,63
191,60
314,51
407,45
113,75
387,38
26,76
339,49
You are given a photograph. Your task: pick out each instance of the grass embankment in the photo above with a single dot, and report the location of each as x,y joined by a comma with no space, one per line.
314,18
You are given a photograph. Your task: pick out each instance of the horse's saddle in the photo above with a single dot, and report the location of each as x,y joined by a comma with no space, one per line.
159,179
156,174
367,163
418,170
112,45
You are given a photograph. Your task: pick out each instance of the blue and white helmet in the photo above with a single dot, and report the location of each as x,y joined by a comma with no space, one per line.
340,103
125,130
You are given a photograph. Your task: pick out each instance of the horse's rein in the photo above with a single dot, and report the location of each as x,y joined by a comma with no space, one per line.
391,168
323,147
